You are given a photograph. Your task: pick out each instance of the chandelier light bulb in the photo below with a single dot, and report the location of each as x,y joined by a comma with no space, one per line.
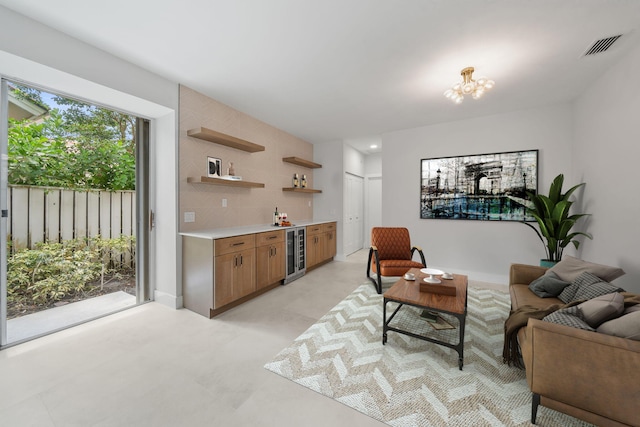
468,86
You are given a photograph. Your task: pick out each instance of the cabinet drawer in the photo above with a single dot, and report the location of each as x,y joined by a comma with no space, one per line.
234,244
314,229
330,226
269,237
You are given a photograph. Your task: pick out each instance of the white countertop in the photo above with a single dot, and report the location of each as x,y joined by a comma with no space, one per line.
220,233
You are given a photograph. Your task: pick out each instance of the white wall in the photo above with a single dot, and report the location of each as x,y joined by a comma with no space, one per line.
329,178
373,164
40,55
353,160
606,155
482,249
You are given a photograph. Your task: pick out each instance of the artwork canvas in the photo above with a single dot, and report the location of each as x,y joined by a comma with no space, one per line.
214,167
489,187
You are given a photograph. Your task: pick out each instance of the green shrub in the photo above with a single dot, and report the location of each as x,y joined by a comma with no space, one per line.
53,271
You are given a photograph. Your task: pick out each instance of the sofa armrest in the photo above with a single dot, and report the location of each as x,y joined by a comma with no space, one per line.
594,372
524,274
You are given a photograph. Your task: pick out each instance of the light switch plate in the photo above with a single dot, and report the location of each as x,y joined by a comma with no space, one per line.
224,203
189,217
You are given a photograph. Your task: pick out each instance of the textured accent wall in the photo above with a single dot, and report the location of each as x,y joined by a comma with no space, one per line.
245,206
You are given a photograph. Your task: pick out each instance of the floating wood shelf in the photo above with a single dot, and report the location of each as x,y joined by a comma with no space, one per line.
302,162
224,139
226,182
301,190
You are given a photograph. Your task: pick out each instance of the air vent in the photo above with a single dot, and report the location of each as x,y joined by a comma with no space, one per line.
602,45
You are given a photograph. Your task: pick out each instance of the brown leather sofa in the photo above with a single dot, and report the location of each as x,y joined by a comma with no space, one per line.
588,375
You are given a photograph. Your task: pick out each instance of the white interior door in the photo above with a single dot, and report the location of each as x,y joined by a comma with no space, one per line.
354,213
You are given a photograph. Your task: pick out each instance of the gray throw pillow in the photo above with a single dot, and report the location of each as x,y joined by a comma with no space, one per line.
595,290
567,295
548,285
605,307
627,326
569,316
569,268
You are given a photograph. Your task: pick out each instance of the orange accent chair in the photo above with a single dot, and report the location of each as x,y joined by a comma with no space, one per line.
393,254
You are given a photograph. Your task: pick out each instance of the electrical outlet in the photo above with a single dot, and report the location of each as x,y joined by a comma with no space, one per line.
224,203
189,217
309,203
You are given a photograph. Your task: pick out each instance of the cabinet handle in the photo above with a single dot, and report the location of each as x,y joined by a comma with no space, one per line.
272,237
235,261
238,244
241,260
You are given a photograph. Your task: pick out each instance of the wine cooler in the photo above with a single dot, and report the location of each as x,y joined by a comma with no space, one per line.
296,248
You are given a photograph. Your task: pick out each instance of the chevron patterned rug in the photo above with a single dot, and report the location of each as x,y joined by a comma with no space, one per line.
410,382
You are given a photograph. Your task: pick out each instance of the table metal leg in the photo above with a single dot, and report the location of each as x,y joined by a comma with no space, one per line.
384,322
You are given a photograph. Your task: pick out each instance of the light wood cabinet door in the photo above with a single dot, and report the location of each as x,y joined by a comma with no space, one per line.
245,279
270,264
315,249
225,266
330,244
235,276
277,264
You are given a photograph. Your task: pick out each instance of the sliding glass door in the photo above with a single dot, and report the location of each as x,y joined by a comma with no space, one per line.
75,213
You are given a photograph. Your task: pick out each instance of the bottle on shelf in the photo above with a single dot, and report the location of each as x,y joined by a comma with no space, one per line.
303,183
296,182
276,217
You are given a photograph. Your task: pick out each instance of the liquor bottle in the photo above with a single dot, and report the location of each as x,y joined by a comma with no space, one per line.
304,181
275,217
296,183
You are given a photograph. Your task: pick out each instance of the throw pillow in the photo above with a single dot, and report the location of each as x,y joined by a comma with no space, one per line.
569,316
548,285
627,326
595,290
567,295
569,268
605,307
632,308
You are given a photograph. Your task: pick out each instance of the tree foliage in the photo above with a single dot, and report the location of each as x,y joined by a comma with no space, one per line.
75,146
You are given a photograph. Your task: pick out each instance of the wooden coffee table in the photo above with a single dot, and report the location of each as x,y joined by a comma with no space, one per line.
407,292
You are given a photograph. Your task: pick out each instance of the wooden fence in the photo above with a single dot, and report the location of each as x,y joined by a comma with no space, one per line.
48,214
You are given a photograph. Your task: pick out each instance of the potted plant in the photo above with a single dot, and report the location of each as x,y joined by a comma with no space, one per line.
554,222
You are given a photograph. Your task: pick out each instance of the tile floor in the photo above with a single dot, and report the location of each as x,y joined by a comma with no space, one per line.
154,366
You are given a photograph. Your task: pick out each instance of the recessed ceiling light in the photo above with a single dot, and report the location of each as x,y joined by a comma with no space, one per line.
373,146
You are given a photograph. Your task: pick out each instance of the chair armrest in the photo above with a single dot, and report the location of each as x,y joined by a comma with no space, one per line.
523,274
419,250
587,370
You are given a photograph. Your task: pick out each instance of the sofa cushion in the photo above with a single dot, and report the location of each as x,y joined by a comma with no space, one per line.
569,268
569,316
548,285
626,326
605,307
521,295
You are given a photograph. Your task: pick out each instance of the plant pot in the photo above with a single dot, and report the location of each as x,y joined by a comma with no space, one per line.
547,263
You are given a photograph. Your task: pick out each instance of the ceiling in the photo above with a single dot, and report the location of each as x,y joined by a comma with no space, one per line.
328,70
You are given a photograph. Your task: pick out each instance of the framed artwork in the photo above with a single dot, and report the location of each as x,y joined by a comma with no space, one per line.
488,187
213,167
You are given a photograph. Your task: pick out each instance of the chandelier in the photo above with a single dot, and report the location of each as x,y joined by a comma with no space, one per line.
468,86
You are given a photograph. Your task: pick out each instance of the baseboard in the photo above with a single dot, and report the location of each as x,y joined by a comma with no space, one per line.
168,300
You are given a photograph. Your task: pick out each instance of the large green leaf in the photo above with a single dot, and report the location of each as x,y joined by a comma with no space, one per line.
551,213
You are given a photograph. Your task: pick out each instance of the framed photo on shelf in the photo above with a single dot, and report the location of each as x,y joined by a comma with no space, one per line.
213,167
